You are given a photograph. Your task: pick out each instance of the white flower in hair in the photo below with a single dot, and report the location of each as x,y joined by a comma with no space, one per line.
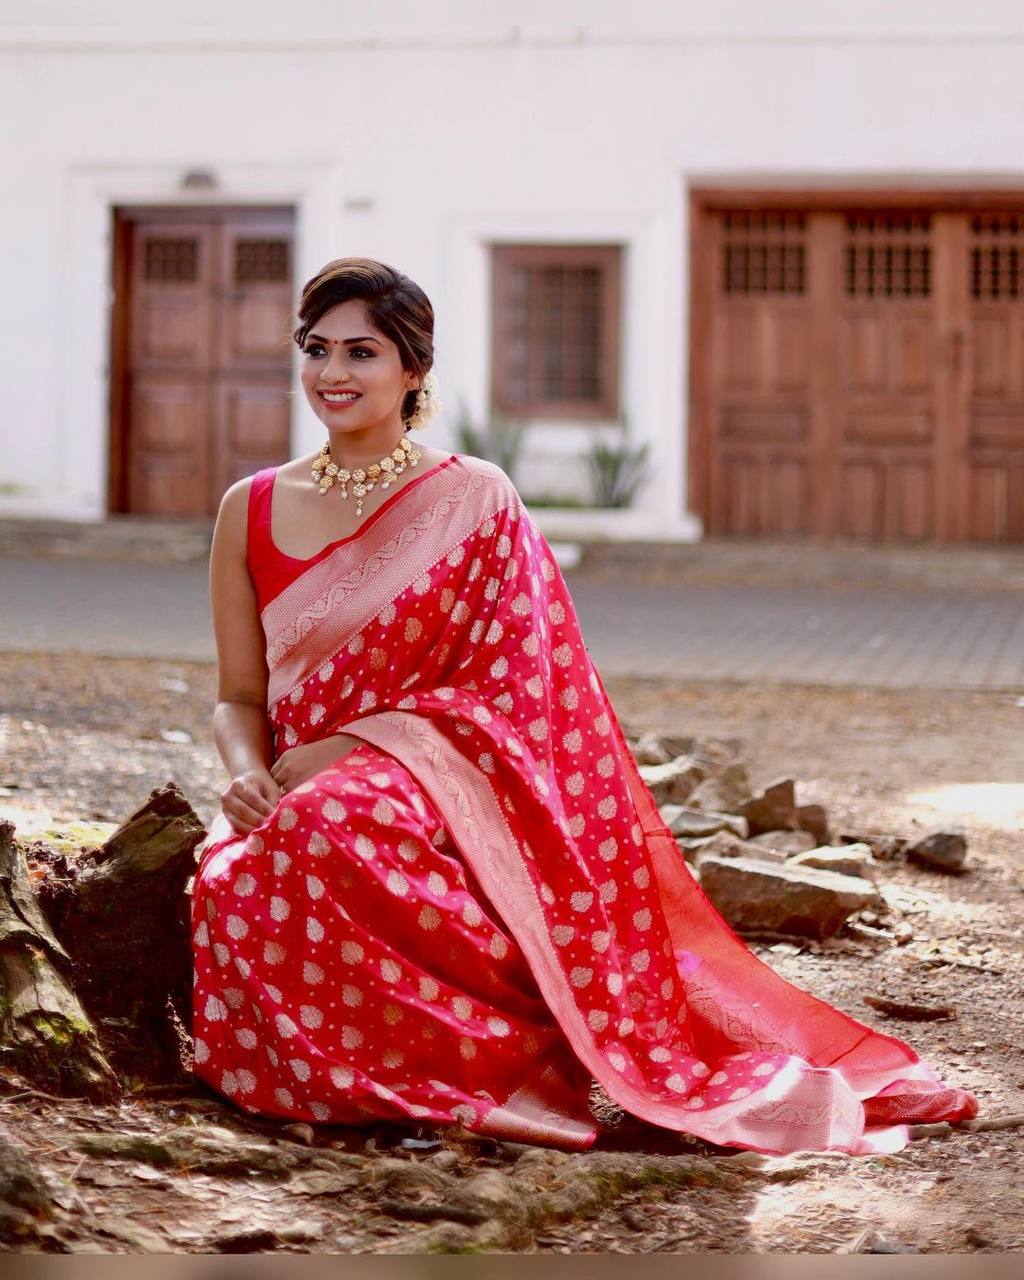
428,403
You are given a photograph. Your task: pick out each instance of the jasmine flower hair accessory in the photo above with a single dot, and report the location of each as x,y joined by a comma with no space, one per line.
428,402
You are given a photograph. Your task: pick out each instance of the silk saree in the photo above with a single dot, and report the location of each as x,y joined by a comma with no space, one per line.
479,910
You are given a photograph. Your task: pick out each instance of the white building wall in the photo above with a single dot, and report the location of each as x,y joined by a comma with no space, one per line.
436,129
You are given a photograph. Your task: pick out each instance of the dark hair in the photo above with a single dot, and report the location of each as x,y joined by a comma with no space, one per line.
396,305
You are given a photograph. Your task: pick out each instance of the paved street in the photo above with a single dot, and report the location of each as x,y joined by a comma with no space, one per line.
801,634
806,635
126,610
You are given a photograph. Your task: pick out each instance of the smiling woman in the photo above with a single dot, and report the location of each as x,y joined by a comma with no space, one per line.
439,889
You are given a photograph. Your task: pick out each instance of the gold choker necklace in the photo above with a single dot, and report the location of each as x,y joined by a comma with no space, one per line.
326,471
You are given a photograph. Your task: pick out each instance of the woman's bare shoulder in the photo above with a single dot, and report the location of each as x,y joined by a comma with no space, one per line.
232,525
235,499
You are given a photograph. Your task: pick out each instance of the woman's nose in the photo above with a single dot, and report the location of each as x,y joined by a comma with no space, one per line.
335,370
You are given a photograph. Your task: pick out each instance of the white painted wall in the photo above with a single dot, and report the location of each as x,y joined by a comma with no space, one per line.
416,131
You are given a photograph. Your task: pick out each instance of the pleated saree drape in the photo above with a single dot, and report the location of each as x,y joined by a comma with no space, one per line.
480,908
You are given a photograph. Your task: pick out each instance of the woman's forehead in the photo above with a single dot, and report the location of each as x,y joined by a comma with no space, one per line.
345,315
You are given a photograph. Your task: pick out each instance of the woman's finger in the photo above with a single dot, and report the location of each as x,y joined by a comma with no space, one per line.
241,814
258,797
273,793
247,801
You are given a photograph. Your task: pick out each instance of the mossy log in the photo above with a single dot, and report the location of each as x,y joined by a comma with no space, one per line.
117,919
45,1035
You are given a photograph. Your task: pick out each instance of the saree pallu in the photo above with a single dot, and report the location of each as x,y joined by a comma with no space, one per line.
480,909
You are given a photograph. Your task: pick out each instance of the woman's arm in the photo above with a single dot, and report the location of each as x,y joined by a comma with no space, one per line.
241,728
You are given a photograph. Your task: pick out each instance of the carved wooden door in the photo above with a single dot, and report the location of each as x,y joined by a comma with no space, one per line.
889,443
990,352
762,339
860,374
201,396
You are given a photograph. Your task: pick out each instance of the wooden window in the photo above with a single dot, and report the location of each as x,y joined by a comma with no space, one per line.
555,330
171,260
261,261
888,255
763,251
997,255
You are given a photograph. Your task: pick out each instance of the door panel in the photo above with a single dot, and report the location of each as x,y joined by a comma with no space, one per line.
887,375
173,277
256,293
995,394
208,352
760,452
250,426
169,425
249,387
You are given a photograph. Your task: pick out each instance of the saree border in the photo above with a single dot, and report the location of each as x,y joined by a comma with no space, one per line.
353,584
527,1116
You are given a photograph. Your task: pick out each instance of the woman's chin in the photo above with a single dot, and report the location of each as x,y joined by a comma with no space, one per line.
340,422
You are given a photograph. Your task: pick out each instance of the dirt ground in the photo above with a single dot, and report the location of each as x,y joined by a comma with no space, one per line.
83,737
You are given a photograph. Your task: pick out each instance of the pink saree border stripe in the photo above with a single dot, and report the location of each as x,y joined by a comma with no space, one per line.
526,1116
335,598
473,815
534,1112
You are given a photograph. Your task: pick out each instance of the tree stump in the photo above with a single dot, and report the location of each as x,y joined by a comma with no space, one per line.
45,1033
96,967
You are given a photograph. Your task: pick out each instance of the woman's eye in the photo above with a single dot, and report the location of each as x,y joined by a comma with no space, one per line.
316,348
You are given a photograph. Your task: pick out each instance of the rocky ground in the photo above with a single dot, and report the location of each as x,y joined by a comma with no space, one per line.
88,738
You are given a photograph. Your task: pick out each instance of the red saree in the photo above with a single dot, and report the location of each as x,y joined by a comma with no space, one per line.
480,908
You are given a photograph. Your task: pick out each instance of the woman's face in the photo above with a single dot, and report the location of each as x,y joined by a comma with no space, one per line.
344,352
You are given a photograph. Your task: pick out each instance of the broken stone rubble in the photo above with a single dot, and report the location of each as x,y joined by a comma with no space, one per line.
768,863
944,850
757,897
846,859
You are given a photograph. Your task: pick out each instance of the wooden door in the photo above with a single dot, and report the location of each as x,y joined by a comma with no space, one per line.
202,369
889,379
858,372
761,471
991,349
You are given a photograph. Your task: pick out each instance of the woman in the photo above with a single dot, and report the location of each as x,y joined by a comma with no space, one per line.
438,889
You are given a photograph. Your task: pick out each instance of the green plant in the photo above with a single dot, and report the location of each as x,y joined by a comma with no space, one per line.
616,471
499,440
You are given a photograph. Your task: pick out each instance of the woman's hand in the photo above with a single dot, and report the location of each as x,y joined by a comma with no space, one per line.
250,798
294,766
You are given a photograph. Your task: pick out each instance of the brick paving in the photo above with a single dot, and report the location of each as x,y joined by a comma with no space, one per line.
804,635
888,637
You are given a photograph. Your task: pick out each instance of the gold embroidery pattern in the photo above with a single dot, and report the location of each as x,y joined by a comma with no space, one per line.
418,544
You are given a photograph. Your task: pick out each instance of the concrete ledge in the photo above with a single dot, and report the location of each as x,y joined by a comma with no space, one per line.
813,563
612,524
139,539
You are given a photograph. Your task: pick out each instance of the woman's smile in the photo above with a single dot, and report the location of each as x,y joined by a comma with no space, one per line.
339,399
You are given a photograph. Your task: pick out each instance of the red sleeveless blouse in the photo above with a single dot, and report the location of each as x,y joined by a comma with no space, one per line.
270,569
